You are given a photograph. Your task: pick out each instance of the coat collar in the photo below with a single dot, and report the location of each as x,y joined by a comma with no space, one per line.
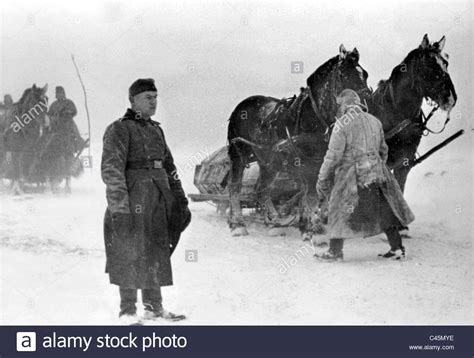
131,114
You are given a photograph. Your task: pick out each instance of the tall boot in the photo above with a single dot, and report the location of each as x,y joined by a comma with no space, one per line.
128,300
152,300
334,253
397,251
128,308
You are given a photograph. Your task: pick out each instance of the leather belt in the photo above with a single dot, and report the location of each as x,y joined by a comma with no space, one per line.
144,164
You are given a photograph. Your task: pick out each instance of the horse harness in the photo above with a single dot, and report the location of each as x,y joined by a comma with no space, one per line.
425,118
318,114
409,121
288,104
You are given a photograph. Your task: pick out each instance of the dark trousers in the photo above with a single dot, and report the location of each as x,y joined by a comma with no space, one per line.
151,298
336,245
394,239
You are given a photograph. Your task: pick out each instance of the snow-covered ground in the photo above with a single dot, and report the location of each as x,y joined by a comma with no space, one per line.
52,262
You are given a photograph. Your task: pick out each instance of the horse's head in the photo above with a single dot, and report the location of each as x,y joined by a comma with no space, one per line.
32,97
34,104
429,70
338,73
352,74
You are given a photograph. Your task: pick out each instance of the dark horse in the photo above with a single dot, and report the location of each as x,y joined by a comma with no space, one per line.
422,74
22,137
258,123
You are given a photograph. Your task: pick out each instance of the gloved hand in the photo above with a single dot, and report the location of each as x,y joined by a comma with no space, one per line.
186,218
322,188
182,220
122,223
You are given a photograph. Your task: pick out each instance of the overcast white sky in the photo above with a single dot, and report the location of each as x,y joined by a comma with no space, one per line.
206,56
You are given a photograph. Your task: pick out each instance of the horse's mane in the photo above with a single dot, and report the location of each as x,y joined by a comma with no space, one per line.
383,85
322,71
25,94
396,72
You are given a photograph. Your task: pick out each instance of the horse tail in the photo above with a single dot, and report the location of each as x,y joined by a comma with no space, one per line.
238,128
232,132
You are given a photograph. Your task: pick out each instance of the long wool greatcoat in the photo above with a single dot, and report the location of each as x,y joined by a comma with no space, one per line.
354,136
61,112
154,197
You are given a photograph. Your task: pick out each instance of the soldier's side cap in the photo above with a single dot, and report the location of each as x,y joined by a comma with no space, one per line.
142,85
59,89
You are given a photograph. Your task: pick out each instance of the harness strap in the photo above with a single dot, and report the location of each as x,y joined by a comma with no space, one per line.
427,118
298,112
392,95
316,111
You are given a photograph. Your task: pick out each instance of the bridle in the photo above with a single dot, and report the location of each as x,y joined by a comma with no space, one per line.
420,90
327,127
425,118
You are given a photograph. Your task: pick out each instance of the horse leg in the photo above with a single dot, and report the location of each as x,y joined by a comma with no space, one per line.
16,187
55,185
49,185
67,187
236,219
222,208
40,186
311,220
52,184
244,123
406,153
272,215
401,175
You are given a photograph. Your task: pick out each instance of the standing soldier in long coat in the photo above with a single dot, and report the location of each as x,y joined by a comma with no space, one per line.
365,199
61,114
67,140
147,208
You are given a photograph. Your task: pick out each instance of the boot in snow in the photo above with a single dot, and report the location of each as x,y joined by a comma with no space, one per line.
398,254
330,255
161,313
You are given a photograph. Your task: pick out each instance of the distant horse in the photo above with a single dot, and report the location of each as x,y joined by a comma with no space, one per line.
258,123
422,74
23,135
62,145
